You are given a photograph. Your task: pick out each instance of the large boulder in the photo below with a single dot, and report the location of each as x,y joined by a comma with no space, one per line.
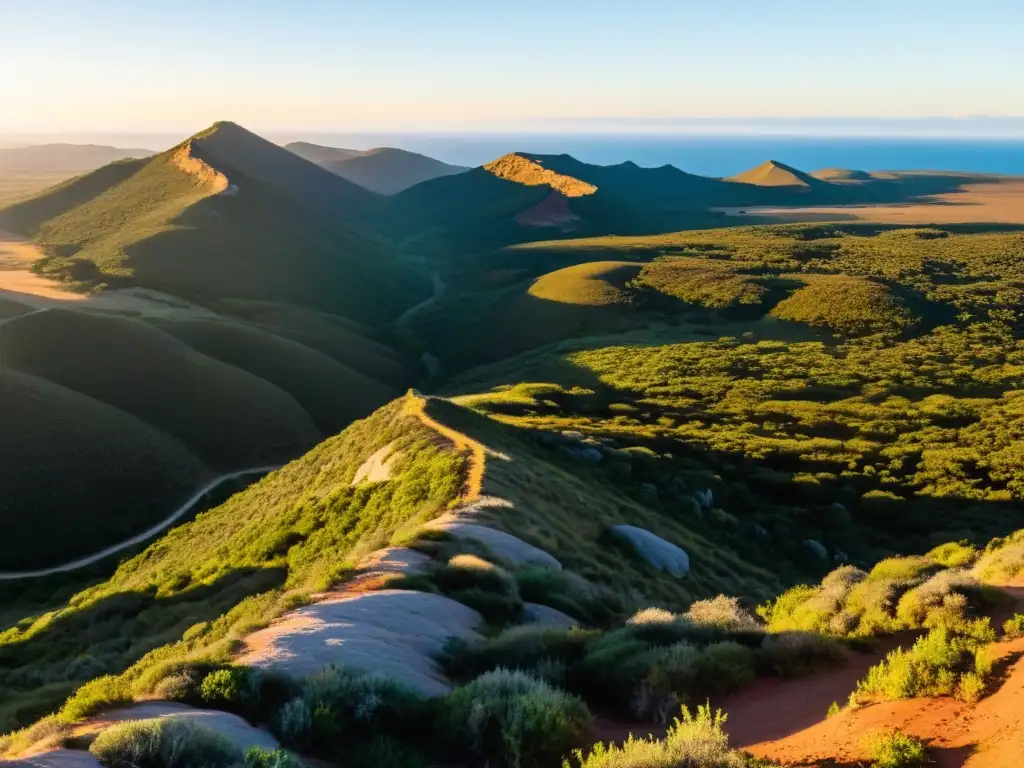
535,613
397,633
661,554
509,548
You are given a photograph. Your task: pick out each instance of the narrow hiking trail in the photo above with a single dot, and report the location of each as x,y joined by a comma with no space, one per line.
439,286
785,721
140,538
416,406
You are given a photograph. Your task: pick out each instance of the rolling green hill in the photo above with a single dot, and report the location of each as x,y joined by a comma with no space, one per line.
228,417
354,345
332,394
224,214
385,170
79,474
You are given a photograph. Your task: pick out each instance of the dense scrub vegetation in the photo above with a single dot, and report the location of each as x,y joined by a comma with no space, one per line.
864,446
235,567
833,281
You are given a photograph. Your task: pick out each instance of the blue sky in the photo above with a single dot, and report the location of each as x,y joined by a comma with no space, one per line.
403,65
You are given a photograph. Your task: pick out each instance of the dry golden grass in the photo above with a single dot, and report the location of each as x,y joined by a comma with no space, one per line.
531,173
595,284
995,202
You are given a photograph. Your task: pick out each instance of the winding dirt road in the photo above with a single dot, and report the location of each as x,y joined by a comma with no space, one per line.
149,533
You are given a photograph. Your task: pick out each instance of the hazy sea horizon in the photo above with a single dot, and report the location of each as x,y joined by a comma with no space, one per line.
709,155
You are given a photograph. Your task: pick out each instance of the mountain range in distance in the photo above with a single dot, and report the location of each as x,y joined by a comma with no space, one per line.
386,170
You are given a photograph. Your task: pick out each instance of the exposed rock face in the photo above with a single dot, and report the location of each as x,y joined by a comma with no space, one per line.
534,613
58,758
504,545
661,554
817,548
392,632
393,560
236,730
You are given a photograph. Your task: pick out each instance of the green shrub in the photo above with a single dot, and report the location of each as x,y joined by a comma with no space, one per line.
165,742
725,667
573,596
1001,564
295,723
1014,626
527,648
954,554
339,704
698,740
895,749
258,757
483,586
102,693
724,613
833,709
612,670
791,654
508,719
934,666
224,687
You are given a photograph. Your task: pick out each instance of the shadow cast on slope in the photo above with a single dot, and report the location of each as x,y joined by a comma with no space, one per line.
107,636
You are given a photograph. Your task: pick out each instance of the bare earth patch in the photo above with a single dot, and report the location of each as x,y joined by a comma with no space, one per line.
19,283
993,203
377,468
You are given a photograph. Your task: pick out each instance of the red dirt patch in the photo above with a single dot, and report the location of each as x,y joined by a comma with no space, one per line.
989,735
552,211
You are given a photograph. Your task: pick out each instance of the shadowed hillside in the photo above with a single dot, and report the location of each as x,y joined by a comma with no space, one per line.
225,214
332,394
79,474
226,416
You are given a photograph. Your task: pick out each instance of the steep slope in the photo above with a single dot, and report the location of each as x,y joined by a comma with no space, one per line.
78,474
385,170
225,214
70,158
775,174
332,394
228,417
531,172
470,211
352,344
228,146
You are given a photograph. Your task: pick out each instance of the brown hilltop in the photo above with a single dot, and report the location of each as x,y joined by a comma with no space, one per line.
775,174
532,173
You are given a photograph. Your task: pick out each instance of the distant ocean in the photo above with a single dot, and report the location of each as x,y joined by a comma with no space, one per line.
721,155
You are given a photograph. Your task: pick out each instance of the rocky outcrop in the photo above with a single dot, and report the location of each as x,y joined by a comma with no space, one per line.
509,548
661,554
392,632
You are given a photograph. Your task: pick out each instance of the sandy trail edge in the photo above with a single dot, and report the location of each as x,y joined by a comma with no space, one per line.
149,533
